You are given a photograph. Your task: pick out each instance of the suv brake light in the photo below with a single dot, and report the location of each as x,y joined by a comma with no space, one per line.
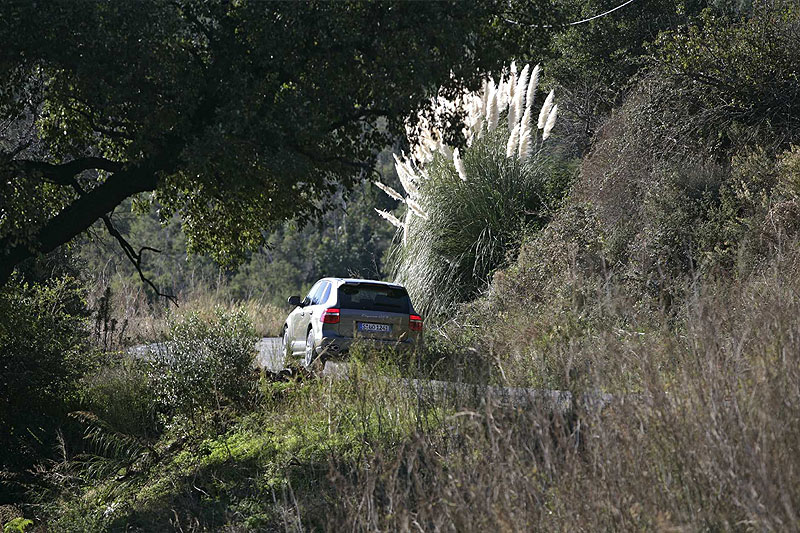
415,322
330,316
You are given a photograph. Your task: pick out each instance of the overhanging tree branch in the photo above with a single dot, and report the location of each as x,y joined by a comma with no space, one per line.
64,173
134,256
78,216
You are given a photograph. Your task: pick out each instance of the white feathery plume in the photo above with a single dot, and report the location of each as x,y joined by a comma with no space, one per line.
492,112
459,164
551,121
511,146
422,154
525,135
512,113
406,176
477,131
532,86
398,164
506,97
390,218
515,109
389,191
543,114
524,151
446,151
512,79
408,186
484,96
502,93
416,208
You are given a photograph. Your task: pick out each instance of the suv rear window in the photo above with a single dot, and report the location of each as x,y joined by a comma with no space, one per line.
373,298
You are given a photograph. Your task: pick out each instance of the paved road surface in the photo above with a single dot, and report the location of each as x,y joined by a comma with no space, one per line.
270,358
269,354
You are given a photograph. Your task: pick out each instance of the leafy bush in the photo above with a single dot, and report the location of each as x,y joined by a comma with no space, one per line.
739,74
121,394
205,364
44,351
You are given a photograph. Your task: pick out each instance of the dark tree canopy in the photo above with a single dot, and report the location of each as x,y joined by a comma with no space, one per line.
236,114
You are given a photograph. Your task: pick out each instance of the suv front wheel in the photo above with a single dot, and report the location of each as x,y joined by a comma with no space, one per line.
312,361
286,347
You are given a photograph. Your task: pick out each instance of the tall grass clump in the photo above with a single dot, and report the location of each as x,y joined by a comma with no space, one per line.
705,441
465,208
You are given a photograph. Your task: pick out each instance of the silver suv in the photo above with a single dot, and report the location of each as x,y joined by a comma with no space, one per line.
337,311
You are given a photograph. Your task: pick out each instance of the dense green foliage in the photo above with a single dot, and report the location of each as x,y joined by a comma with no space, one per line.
344,242
204,364
238,115
43,354
255,470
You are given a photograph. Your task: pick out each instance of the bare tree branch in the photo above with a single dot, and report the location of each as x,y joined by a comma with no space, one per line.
136,258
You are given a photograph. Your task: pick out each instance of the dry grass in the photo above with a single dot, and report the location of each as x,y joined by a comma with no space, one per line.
132,318
707,442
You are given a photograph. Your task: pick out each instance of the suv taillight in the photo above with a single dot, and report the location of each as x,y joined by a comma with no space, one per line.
330,316
415,323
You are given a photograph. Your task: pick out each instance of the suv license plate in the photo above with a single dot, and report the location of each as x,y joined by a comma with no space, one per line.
374,328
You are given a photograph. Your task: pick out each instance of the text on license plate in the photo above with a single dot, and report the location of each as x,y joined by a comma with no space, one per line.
374,328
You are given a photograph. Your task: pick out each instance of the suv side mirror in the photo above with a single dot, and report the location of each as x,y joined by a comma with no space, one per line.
294,300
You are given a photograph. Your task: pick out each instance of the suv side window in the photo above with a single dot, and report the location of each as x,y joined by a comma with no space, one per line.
309,299
326,293
316,297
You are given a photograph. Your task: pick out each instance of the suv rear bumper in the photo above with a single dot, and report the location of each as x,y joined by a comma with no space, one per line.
333,346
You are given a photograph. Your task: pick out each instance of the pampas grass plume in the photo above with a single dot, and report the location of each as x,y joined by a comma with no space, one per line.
551,121
525,135
546,107
532,86
522,85
389,191
459,164
406,176
512,80
391,218
492,112
515,108
416,208
511,147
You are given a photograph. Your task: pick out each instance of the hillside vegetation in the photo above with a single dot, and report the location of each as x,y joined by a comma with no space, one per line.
643,247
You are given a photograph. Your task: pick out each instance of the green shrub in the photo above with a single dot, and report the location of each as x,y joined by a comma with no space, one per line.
205,364
44,351
121,394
